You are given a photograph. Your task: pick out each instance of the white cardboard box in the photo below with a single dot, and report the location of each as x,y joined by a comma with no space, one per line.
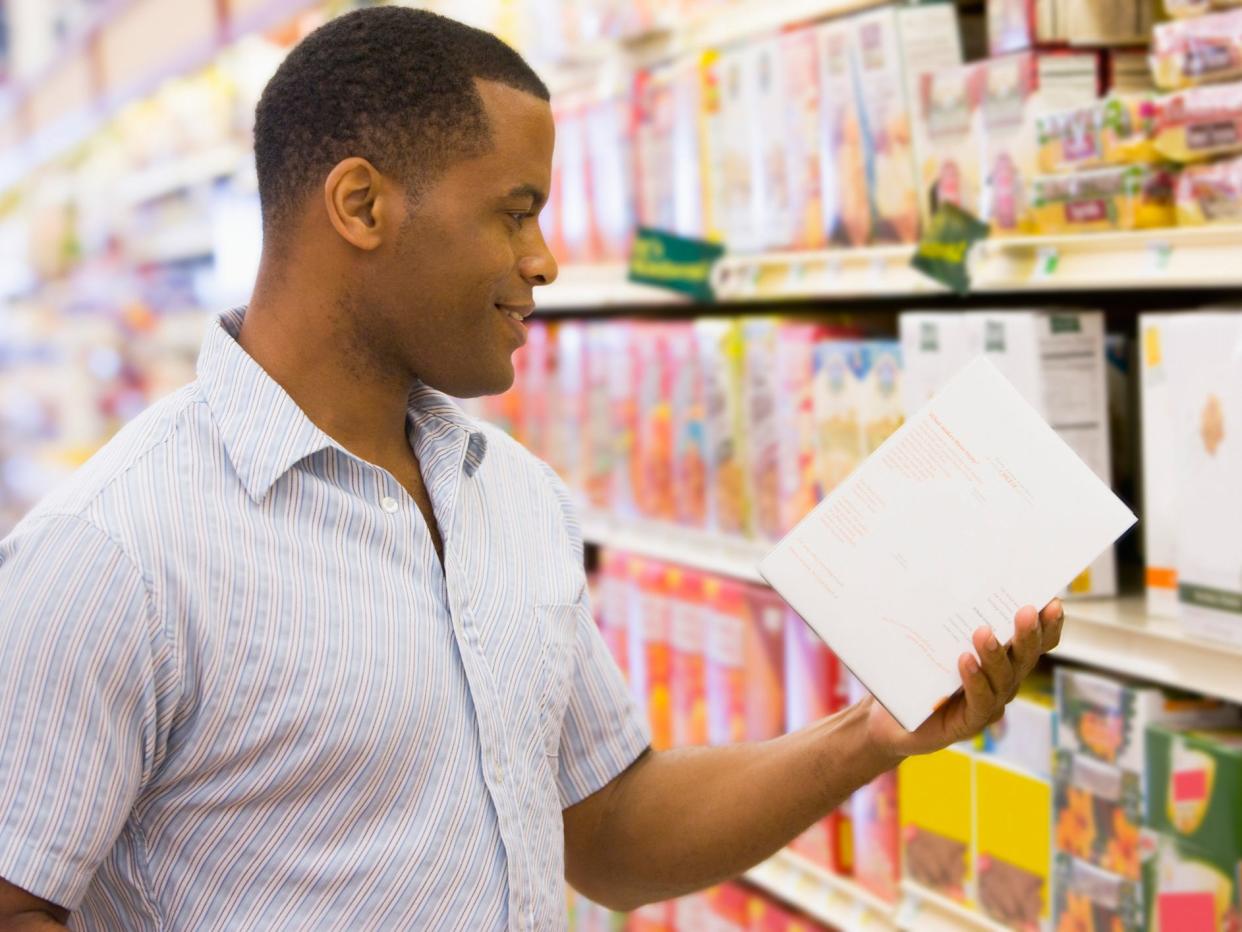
1205,372
1160,471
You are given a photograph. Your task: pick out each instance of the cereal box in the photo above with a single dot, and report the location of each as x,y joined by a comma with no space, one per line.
727,618
795,413
611,174
1090,899
877,840
777,223
799,58
762,429
946,139
653,446
936,807
1013,861
837,403
1099,814
1160,468
764,659
847,213
881,410
689,466
688,657
720,353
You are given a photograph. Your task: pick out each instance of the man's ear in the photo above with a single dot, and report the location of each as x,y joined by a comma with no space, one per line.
355,195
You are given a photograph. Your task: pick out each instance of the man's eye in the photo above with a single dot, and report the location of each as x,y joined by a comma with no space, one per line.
519,216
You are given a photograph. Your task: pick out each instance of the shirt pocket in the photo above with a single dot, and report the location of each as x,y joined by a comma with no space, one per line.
558,626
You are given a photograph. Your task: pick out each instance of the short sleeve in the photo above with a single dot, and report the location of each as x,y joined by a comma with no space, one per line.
603,731
78,702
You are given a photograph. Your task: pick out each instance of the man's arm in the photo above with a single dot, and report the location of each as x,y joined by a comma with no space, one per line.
681,820
24,912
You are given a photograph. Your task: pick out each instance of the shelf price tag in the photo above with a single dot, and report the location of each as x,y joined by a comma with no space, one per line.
675,262
1047,261
1159,253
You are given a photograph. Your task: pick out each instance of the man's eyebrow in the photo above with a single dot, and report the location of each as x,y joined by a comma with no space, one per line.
528,190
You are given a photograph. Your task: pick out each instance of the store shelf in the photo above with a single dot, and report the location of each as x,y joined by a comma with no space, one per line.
1164,259
1112,634
712,553
822,894
169,177
602,287
1119,635
927,911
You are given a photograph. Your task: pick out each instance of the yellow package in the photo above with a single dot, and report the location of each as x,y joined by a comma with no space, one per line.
1128,197
1201,123
1185,9
1211,193
1013,815
1114,131
936,812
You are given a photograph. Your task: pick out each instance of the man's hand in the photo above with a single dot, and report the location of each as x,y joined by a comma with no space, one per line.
987,687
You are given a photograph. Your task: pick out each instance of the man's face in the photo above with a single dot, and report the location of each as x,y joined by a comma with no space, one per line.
469,255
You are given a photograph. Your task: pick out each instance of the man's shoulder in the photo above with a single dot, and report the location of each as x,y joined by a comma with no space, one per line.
140,461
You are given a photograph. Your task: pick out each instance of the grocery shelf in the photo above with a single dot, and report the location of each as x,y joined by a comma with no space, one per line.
1183,257
174,175
599,287
1114,634
736,558
1119,635
929,911
822,894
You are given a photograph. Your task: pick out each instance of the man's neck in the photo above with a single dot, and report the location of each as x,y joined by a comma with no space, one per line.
307,350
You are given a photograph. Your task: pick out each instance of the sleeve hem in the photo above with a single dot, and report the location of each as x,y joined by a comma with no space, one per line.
42,875
629,746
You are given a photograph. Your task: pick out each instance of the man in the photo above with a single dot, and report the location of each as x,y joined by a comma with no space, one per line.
306,648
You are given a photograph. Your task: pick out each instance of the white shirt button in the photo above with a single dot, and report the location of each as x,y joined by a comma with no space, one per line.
389,504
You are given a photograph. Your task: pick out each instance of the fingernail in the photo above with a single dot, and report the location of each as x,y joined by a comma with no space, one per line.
993,644
972,665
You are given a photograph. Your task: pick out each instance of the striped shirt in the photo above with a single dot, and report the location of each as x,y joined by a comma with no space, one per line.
241,692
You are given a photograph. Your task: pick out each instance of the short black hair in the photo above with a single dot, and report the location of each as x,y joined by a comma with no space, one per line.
392,85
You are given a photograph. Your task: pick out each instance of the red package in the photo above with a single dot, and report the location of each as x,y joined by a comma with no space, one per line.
652,624
877,837
728,904
613,607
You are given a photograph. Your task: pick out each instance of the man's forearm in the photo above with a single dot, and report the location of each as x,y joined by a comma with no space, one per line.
31,922
682,820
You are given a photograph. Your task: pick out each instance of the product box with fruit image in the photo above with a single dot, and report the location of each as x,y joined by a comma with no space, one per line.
946,139
1191,889
882,410
838,399
1099,814
936,813
1194,788
1204,363
1088,899
894,46
1106,717
1013,811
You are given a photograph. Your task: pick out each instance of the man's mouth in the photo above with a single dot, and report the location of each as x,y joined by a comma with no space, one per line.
518,312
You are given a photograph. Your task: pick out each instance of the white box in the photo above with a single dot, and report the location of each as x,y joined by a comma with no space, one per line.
1160,475
1205,372
1056,361
934,346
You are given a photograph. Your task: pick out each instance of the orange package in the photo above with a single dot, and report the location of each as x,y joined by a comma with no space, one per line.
764,661
650,663
653,444
724,601
688,657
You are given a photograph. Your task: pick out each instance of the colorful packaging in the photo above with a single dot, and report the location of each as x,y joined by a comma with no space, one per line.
877,839
1106,22
1113,131
1210,193
1013,862
653,917
581,236
1106,718
1205,372
611,175
688,657
1187,52
653,147
1013,26
1088,899
1189,888
1201,123
1127,72
1024,738
740,200
566,402
1194,786
762,430
769,135
533,423
720,355
936,806
599,440
947,134
1123,197
650,648
623,416
1014,92
815,679
828,843
727,619
689,437
712,146
1160,467
881,410
689,212
893,47
729,908
837,403
847,213
654,440
764,659
802,143
1099,814
1184,9
795,415
613,607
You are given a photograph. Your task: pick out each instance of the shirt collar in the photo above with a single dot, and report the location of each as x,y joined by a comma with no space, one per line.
266,434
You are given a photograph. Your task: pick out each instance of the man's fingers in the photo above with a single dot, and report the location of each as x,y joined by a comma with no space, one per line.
1051,620
995,663
978,692
1027,642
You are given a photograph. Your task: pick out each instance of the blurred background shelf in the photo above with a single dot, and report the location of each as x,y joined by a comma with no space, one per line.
822,894
924,910
600,287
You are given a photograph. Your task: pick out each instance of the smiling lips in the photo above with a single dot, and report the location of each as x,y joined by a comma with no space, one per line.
518,312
